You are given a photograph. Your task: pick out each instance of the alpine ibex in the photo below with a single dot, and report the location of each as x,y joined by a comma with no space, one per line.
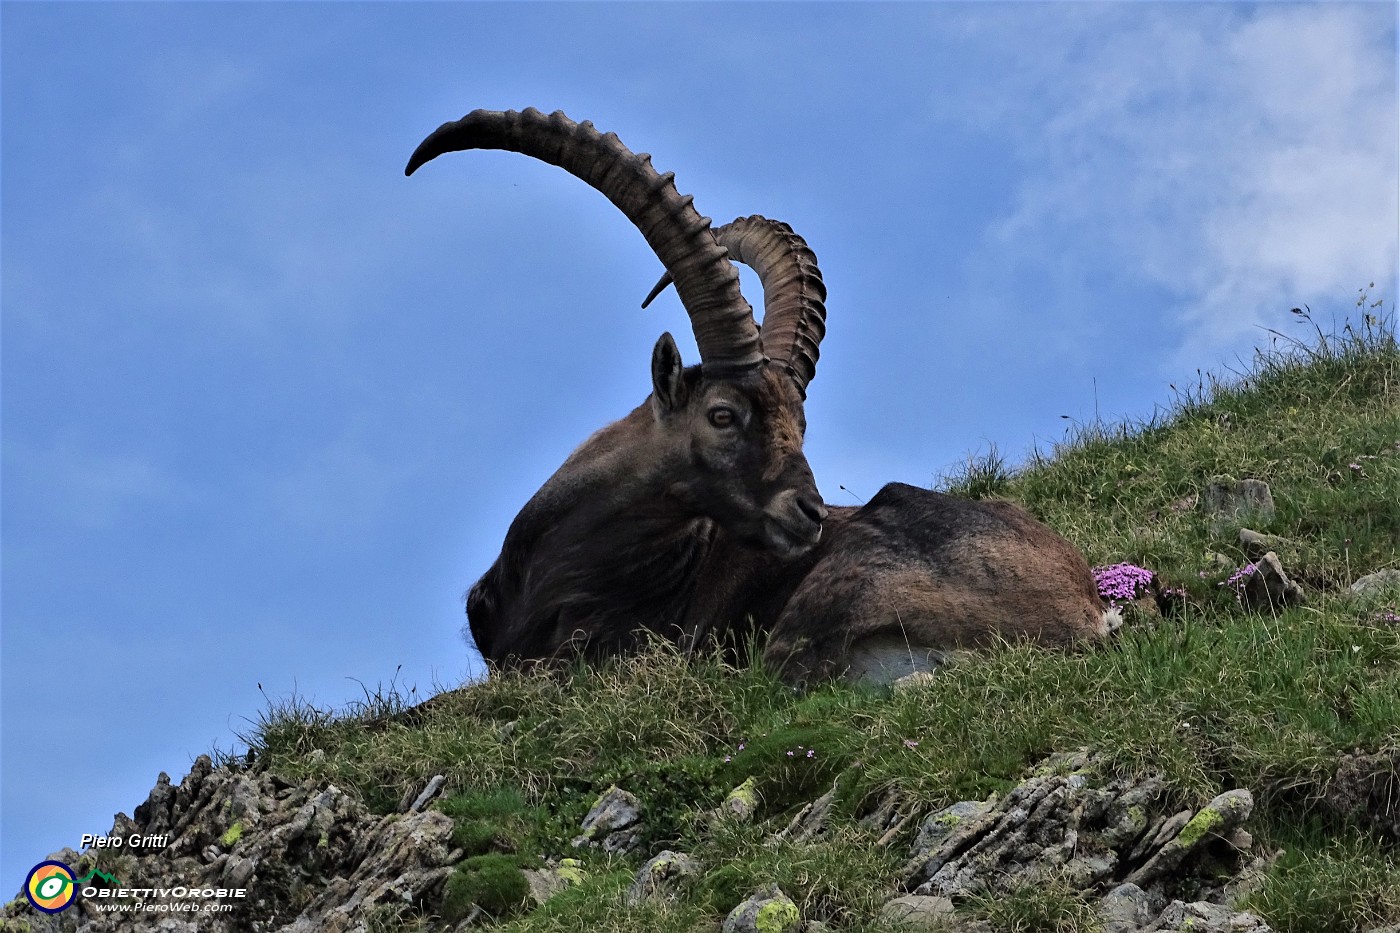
697,517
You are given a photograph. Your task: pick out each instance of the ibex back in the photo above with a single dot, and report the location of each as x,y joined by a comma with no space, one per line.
696,516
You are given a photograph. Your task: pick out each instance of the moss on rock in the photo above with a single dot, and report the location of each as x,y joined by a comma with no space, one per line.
776,916
229,839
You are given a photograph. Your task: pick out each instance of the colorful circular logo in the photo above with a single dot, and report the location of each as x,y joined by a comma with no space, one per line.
50,887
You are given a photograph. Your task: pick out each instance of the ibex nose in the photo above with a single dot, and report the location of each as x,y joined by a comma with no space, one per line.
792,523
812,507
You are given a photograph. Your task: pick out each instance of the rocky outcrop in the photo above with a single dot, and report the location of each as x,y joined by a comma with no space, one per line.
1378,589
661,875
254,852
1066,824
1264,586
309,857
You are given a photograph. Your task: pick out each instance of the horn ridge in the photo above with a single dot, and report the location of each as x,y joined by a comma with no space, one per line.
794,295
708,284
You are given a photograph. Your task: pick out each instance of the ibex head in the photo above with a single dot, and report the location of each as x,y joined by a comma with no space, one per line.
735,443
720,441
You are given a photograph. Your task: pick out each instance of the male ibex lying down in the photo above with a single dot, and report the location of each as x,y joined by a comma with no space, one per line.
696,516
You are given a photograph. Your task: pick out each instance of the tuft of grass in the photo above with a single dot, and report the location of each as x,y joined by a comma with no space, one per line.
494,820
841,878
980,476
793,762
1329,884
494,883
1049,906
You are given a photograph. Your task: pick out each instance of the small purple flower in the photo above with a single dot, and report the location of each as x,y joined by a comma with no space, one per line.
811,753
910,743
789,754
727,759
1239,576
1237,580
1123,582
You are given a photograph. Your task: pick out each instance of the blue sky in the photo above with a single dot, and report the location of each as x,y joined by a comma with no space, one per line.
268,406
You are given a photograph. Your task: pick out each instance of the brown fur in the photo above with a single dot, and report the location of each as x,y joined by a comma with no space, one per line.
785,427
934,574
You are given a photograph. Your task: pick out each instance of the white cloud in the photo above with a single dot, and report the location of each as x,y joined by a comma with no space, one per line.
1242,159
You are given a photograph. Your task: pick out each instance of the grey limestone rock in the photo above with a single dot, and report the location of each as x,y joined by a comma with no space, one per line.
1071,822
940,826
1267,588
1376,589
1227,502
768,911
1215,820
1126,909
662,875
742,802
429,793
305,857
1202,917
918,912
552,878
614,822
1255,545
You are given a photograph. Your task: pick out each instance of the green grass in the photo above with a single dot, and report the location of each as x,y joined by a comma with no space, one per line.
1212,697
1329,883
1297,420
1048,907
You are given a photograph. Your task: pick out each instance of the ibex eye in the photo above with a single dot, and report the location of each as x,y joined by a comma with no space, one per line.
722,417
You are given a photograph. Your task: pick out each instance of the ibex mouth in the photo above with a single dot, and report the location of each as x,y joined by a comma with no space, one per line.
792,537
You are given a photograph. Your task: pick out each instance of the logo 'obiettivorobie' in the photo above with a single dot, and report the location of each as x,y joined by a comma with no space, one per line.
51,887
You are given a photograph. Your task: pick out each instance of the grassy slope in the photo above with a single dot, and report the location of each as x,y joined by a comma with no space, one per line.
1212,697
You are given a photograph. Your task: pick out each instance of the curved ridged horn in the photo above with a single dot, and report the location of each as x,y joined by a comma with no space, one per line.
708,284
794,296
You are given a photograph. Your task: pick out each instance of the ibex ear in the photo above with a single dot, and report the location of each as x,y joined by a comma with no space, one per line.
667,383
